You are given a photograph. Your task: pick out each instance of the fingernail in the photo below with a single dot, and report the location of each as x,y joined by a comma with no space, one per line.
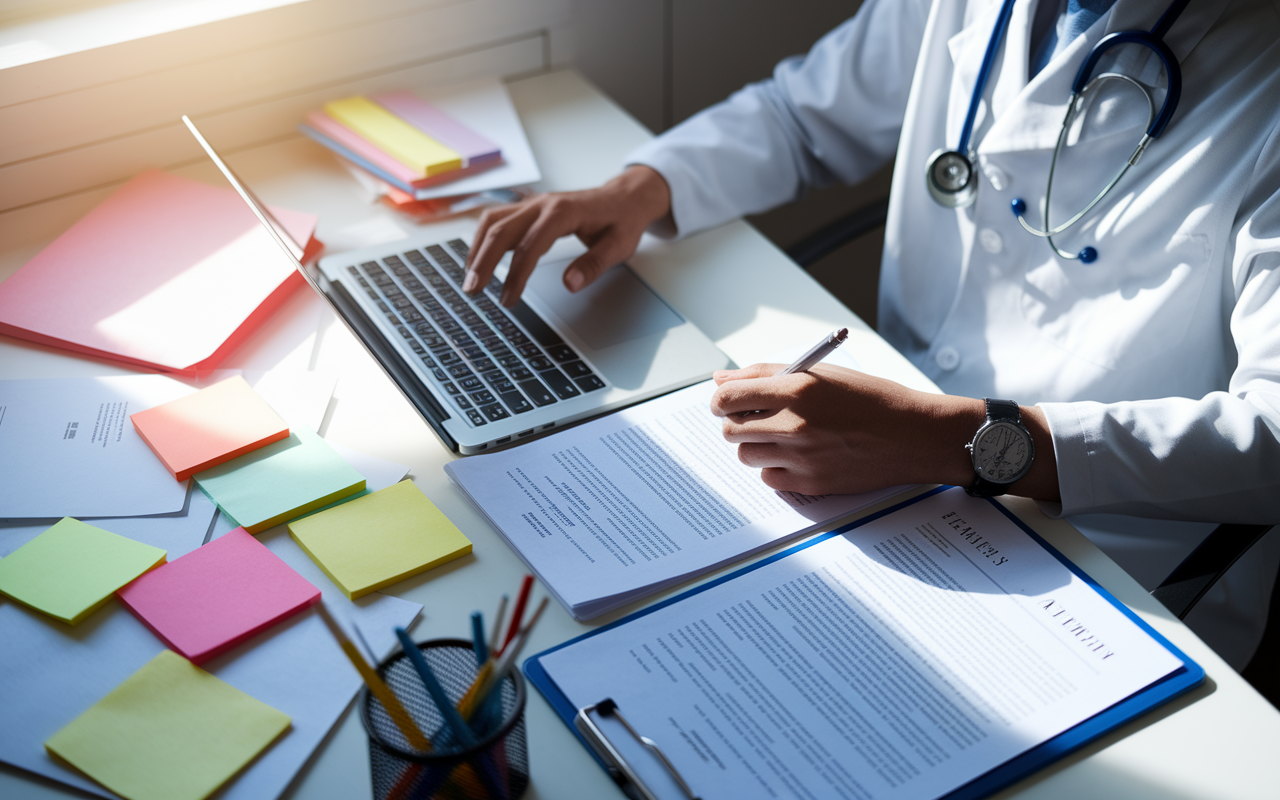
574,280
469,285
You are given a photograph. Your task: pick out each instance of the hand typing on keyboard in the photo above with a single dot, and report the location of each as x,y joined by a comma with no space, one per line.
608,219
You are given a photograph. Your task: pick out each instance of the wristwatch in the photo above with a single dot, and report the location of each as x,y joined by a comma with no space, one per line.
1002,449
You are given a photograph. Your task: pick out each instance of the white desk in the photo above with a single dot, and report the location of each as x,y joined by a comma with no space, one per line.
1220,741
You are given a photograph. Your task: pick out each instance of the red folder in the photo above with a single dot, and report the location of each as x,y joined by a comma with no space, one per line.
167,273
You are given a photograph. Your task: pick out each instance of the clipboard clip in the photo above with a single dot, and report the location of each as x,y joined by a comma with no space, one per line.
621,771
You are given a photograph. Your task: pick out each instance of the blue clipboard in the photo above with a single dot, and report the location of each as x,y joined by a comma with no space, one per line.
1181,680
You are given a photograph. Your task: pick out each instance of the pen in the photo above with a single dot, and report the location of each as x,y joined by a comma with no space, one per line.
517,614
380,690
448,712
818,352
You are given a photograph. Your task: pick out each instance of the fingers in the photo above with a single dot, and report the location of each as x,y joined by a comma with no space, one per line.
751,393
500,230
555,218
753,371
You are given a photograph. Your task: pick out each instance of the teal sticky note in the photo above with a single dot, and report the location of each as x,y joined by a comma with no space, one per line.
280,482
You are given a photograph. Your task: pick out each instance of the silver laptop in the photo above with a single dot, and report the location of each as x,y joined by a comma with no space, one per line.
485,376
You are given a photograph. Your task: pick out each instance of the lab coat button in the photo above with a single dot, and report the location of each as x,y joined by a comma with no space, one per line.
990,240
999,178
947,357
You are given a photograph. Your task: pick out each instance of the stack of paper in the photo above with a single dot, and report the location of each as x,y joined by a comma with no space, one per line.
167,274
467,140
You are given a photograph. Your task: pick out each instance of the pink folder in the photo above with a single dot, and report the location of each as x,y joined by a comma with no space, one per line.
167,273
217,596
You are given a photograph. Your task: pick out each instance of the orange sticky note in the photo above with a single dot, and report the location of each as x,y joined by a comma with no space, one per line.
210,427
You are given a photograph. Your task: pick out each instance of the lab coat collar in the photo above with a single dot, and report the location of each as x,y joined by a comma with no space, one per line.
1028,114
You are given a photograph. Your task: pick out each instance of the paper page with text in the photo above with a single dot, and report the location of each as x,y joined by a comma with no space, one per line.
900,660
628,504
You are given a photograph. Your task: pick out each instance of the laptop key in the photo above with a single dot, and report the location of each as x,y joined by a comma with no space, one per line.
472,353
428,361
537,392
450,388
521,374
500,385
589,383
576,369
529,350
541,363
561,352
482,365
471,384
562,386
411,315
448,358
462,401
516,402
439,373
495,412
459,371
510,361
483,397
476,417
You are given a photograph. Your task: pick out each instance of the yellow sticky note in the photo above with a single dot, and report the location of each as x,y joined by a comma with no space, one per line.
170,731
70,570
394,136
379,539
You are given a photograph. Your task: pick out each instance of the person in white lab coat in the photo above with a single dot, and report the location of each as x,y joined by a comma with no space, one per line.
1147,380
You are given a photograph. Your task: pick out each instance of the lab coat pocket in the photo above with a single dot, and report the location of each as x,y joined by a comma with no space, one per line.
1124,309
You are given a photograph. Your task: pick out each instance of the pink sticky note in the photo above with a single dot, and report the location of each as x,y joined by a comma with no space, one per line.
216,597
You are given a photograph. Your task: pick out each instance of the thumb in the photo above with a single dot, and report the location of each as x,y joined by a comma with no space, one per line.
584,269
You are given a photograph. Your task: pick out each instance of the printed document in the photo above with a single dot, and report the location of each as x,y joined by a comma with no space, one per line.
901,660
628,504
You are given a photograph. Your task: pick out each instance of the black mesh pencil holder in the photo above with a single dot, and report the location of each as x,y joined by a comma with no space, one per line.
495,768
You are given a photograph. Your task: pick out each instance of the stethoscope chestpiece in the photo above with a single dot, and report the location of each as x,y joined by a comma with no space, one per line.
951,179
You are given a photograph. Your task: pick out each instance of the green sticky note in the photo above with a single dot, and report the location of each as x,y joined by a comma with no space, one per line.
281,481
70,570
170,731
379,539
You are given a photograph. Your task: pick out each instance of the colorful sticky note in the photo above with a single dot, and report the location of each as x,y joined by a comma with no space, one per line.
212,426
170,731
217,596
280,482
70,570
394,136
473,147
379,539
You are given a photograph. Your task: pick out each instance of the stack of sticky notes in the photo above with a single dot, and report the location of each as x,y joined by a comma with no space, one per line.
217,596
402,140
379,539
71,570
170,731
212,426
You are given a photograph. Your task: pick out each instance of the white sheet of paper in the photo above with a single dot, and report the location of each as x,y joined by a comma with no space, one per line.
54,672
176,534
638,500
71,451
900,660
486,107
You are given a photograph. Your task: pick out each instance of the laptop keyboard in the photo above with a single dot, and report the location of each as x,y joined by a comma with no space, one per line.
492,362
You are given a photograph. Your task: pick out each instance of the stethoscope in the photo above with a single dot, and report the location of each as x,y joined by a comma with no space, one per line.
950,175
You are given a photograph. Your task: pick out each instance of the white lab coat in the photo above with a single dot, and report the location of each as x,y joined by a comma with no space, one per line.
1158,365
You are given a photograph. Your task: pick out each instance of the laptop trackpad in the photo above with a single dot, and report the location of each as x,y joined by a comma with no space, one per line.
617,308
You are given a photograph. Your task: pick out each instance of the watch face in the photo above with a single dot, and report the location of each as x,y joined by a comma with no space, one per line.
1001,452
